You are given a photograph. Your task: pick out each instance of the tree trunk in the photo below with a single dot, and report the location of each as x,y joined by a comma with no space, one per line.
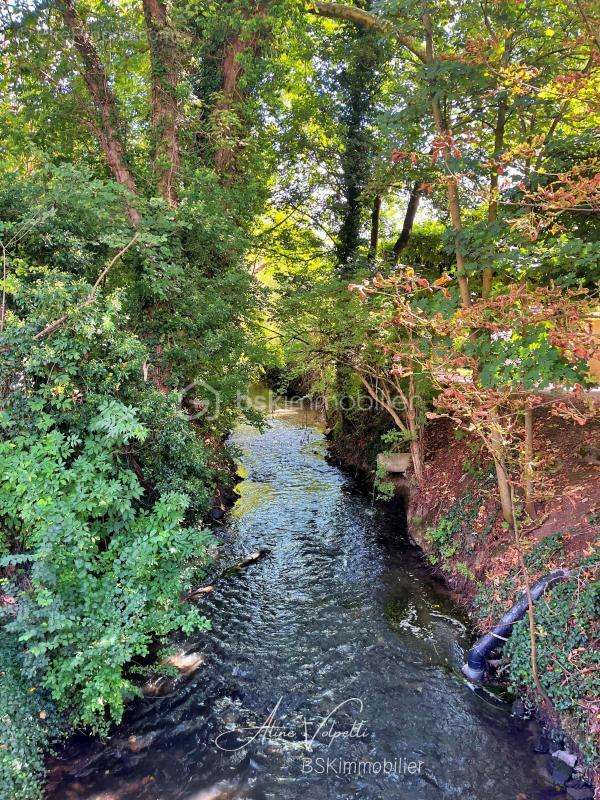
107,126
415,451
497,452
488,274
455,218
375,218
504,490
528,466
409,218
232,71
452,184
164,70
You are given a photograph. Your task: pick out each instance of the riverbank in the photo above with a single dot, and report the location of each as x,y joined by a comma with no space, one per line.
454,518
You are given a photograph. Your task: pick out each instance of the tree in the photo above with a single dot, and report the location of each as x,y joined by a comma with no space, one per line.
524,349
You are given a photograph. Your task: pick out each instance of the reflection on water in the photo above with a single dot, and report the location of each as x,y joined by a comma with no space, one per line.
252,496
331,670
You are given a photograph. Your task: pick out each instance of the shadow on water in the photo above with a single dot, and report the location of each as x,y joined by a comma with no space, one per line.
331,669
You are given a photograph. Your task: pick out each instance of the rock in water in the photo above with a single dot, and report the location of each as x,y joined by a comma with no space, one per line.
560,772
157,687
220,791
186,663
565,756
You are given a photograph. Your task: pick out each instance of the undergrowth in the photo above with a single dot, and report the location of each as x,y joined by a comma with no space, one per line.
445,536
28,723
567,634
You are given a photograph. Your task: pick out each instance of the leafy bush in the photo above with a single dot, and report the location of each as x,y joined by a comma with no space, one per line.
426,248
445,535
100,551
102,476
173,457
442,536
384,487
105,574
27,722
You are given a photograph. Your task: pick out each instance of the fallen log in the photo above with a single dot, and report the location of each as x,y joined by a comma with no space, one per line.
199,591
252,558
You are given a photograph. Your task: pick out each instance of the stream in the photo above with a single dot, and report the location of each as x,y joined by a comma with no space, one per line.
332,668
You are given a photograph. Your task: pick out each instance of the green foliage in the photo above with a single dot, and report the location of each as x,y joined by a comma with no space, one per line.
173,457
568,260
426,250
445,537
384,487
395,440
102,479
183,291
567,655
102,476
442,537
463,569
27,724
547,550
106,575
523,357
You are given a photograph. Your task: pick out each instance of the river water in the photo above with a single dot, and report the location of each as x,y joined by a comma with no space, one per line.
332,669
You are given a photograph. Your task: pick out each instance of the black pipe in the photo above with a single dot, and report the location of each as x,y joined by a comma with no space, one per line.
476,664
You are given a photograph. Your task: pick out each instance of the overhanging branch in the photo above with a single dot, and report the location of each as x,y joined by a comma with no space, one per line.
359,16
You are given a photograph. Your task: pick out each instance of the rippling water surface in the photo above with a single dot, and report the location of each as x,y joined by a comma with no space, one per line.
341,622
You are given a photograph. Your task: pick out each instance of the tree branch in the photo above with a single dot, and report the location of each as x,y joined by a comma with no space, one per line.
414,199
359,16
56,324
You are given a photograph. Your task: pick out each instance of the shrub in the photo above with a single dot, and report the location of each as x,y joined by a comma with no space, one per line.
445,536
100,552
105,573
102,477
27,722
173,457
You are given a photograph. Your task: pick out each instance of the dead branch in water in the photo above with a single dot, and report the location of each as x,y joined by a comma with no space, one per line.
252,558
